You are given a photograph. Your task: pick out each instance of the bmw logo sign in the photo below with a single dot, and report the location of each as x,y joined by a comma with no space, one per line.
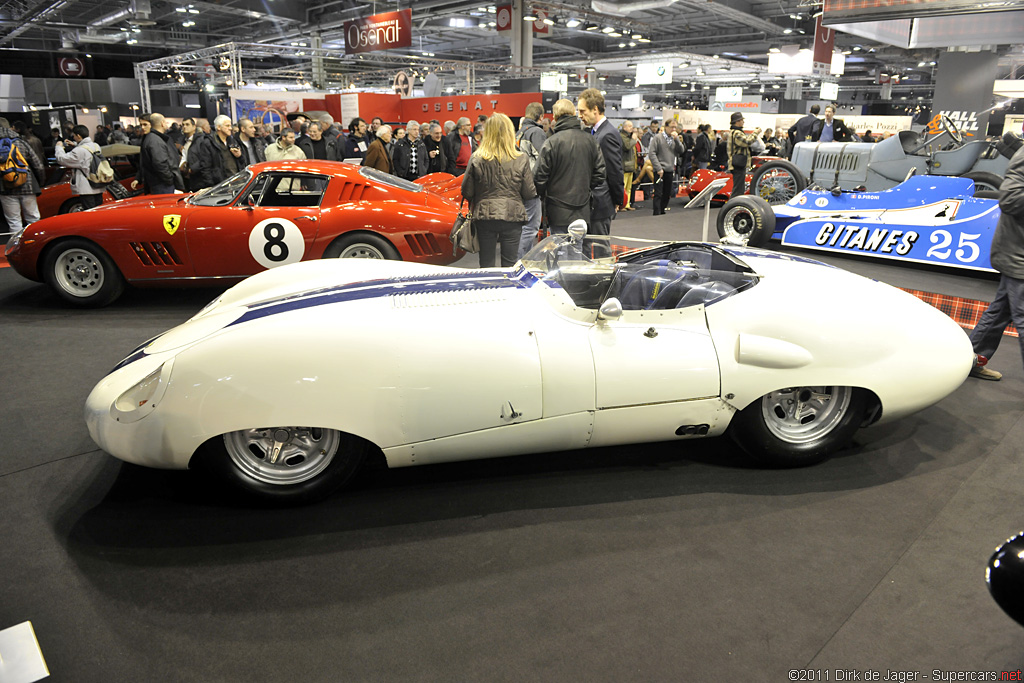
661,71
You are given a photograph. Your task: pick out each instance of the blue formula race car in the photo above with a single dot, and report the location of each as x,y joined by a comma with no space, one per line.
925,219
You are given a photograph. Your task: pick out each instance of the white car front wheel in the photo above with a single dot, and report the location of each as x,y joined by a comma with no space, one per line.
287,464
798,426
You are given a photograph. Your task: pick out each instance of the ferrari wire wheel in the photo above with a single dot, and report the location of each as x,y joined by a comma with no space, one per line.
79,273
801,415
282,456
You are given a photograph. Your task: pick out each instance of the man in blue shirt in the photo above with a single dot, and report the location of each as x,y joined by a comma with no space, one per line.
830,128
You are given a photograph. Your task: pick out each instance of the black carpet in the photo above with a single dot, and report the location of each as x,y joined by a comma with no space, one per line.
657,562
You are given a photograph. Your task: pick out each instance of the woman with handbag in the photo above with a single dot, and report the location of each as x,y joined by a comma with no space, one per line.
738,150
496,184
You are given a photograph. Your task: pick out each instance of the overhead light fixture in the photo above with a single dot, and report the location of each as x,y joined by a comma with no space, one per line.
623,44
683,65
530,17
592,27
607,29
774,50
645,40
787,31
549,21
615,34
636,36
632,43
573,23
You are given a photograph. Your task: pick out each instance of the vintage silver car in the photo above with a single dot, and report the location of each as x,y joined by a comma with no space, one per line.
872,167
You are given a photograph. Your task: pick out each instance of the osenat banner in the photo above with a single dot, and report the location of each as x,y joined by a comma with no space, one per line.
887,10
963,90
379,32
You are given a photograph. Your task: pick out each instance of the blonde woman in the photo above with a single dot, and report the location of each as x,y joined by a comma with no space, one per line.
496,184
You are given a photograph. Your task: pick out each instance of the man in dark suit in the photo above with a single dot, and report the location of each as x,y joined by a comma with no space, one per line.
802,129
607,199
831,129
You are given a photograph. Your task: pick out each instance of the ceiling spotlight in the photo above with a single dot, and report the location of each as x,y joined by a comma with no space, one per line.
645,40
573,23
607,29
549,21
632,43
591,68
624,45
592,27
530,17
636,36
683,65
615,34
787,31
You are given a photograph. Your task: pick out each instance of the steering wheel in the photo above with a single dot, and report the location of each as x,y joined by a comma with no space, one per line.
950,127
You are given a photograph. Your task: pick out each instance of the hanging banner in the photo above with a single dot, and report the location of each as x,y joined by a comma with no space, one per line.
824,43
379,32
963,90
503,17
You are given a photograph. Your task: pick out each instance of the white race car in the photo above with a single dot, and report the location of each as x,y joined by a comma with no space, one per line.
285,382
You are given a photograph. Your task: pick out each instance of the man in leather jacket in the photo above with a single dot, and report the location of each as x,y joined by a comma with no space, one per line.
570,168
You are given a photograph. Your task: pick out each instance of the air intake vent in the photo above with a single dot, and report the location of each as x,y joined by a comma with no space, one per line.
423,243
156,253
352,192
828,161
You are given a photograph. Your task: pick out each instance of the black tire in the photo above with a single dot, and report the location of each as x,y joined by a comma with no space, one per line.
313,462
746,220
81,273
73,205
984,181
822,421
986,194
777,182
361,245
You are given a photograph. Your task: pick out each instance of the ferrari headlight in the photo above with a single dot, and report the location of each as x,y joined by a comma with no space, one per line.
143,396
13,243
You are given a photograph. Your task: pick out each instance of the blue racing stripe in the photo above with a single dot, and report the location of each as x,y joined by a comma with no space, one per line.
373,289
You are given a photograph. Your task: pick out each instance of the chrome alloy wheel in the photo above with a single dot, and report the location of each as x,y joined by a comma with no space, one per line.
776,187
362,250
79,273
282,456
799,415
738,225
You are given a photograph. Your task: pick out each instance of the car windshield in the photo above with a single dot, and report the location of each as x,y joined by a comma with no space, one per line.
388,179
673,276
223,193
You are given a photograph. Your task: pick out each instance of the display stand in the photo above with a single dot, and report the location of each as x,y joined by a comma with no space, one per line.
704,197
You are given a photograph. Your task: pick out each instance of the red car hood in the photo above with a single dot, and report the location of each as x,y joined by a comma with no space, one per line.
154,200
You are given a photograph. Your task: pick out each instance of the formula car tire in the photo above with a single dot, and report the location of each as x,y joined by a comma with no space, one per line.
746,220
984,181
781,190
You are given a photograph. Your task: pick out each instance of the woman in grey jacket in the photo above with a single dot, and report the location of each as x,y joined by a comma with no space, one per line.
496,183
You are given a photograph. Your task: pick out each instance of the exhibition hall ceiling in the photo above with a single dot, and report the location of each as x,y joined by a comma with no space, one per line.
708,43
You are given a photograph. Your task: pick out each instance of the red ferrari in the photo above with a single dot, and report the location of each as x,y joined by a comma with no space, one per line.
56,197
269,215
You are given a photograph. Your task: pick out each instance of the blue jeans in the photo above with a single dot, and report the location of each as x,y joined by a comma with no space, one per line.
529,236
1006,307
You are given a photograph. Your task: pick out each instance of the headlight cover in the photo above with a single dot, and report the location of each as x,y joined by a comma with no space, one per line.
143,397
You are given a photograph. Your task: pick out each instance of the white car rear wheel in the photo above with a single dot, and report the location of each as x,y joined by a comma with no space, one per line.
287,464
799,426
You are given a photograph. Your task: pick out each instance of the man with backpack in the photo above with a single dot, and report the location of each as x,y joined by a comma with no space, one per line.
21,179
530,138
81,162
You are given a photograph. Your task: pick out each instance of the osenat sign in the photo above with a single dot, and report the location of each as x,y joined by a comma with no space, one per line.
379,32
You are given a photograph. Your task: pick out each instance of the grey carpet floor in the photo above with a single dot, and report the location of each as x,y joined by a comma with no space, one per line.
646,563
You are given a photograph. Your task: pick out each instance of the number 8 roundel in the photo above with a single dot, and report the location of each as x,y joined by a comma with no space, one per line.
276,242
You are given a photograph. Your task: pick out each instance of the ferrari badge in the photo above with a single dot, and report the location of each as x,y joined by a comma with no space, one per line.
171,223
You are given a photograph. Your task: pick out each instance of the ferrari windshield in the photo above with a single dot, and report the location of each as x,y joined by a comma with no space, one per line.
224,192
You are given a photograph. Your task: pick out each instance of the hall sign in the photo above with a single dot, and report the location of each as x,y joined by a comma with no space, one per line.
379,32
71,66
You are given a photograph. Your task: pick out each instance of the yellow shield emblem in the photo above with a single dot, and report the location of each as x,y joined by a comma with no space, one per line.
171,223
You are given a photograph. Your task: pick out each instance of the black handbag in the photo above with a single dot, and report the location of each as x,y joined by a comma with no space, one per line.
463,234
739,161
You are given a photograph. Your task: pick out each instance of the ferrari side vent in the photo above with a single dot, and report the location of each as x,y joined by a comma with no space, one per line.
423,243
352,192
155,253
